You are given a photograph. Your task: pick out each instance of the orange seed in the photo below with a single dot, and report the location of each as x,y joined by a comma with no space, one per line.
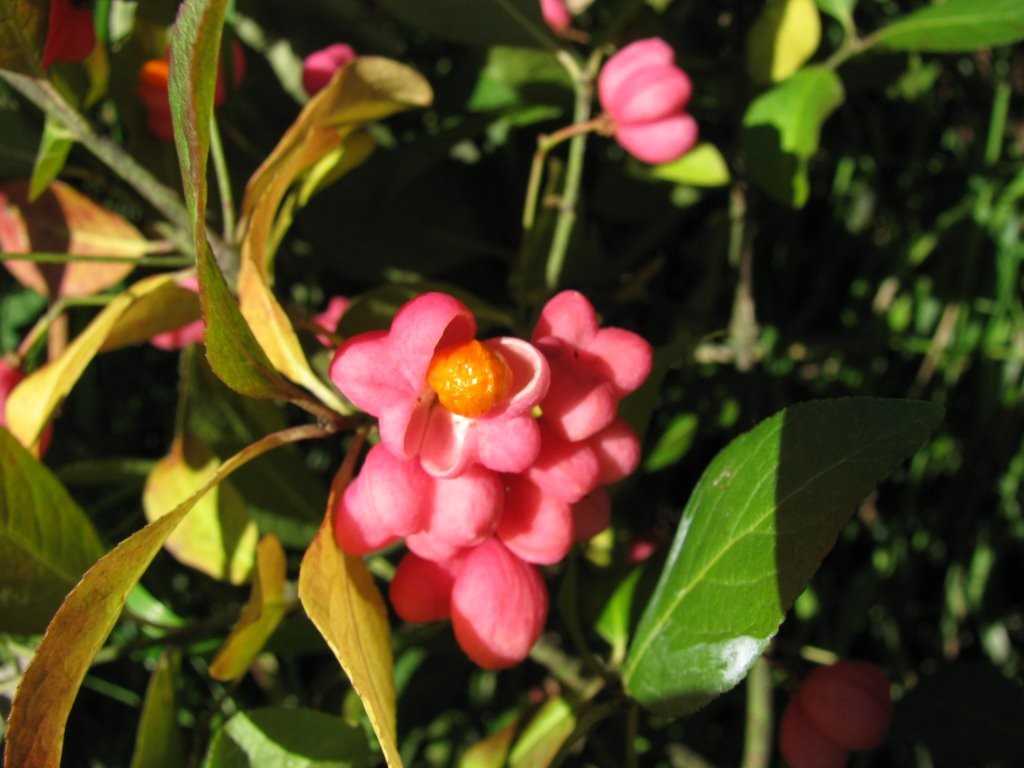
469,379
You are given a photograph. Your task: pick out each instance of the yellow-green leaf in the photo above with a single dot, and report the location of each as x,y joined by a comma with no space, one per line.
702,166
166,308
157,738
63,220
545,734
218,538
32,403
39,713
261,615
782,39
46,540
342,601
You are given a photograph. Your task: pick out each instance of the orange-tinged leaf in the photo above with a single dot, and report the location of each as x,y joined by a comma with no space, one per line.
218,538
344,604
32,403
261,615
46,540
39,713
62,220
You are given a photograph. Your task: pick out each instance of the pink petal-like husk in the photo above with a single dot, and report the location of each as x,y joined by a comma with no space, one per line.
530,376
70,33
364,372
651,93
580,401
641,54
395,490
802,745
507,445
499,606
536,526
421,590
661,141
356,527
568,316
591,514
567,471
330,317
464,510
320,66
849,702
623,357
430,547
618,452
555,14
421,327
448,445
193,333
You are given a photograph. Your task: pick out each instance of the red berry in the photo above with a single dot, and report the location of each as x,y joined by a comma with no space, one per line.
802,745
849,703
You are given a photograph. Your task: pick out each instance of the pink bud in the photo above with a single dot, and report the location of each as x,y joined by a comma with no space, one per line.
536,526
803,746
848,702
644,94
555,14
70,34
499,606
421,590
319,67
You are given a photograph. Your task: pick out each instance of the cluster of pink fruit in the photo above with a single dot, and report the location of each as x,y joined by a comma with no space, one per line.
493,459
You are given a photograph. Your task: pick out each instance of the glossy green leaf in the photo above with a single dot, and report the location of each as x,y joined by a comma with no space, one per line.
32,403
614,623
673,443
475,22
158,741
218,538
54,146
22,34
260,617
39,713
342,601
276,737
763,515
46,540
785,35
513,76
956,25
781,129
544,735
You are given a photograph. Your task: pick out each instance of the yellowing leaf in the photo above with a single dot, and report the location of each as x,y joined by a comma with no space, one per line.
783,38
168,307
39,713
32,403
343,603
218,538
63,220
261,615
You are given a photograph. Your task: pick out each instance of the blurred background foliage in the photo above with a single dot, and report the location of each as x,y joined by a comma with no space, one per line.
900,276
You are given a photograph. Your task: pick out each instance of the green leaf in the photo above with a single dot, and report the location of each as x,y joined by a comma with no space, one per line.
22,34
784,36
673,443
513,76
476,22
702,166
763,515
342,601
218,538
840,10
39,712
544,735
276,737
781,130
260,617
46,540
54,147
157,738
956,25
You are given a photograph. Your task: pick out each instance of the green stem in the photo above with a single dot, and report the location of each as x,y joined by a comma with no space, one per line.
220,166
566,221
534,31
545,143
851,46
167,202
757,740
172,262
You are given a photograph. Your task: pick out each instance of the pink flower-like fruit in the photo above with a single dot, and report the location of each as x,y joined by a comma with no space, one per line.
645,94
592,368
556,15
442,396
319,67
